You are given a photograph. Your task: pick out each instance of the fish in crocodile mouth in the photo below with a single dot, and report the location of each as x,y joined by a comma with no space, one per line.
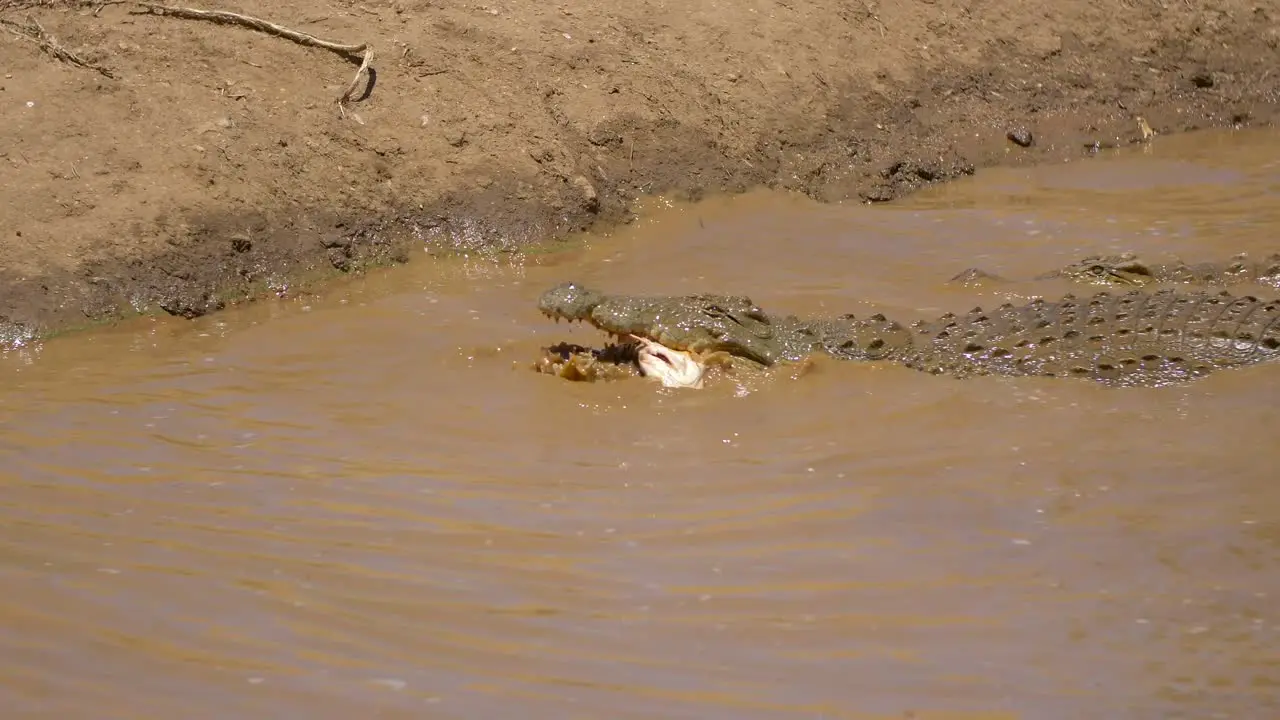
673,368
670,367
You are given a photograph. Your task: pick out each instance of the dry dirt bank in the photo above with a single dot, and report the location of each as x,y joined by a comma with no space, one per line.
205,162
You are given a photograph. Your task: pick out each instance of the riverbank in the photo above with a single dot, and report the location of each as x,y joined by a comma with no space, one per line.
185,164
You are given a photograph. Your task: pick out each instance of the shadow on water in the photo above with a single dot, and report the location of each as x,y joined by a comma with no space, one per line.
366,501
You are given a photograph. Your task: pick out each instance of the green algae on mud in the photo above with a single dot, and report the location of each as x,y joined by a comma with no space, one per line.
301,282
16,335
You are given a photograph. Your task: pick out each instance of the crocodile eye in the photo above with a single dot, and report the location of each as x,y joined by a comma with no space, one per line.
1098,269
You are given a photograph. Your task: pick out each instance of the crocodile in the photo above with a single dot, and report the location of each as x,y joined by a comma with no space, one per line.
1133,338
1128,269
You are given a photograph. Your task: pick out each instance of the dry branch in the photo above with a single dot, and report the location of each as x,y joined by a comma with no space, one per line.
36,33
25,4
231,18
361,52
97,5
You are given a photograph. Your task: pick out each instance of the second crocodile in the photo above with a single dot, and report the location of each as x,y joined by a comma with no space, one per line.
1128,269
1134,338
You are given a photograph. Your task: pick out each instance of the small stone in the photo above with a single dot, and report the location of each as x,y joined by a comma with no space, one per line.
877,194
340,259
224,123
599,136
456,138
335,240
1021,137
589,195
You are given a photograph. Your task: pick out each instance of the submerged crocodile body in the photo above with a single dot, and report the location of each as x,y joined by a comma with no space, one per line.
1128,269
1134,338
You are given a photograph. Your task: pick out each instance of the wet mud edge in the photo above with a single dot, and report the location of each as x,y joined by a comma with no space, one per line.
865,136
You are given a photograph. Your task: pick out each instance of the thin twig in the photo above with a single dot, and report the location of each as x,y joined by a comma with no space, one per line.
36,33
98,6
355,81
871,14
352,52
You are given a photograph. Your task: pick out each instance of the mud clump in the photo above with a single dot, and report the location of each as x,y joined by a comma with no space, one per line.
211,163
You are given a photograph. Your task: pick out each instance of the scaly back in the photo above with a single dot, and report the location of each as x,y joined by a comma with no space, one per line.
1238,270
1130,339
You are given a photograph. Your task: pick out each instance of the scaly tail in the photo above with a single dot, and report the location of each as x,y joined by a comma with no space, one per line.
1129,339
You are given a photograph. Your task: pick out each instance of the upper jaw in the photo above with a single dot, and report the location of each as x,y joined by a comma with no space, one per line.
646,325
617,335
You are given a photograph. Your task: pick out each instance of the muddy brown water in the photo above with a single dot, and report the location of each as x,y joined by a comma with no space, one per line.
365,504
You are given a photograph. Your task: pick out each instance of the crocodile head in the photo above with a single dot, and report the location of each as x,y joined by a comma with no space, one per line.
696,324
1123,269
